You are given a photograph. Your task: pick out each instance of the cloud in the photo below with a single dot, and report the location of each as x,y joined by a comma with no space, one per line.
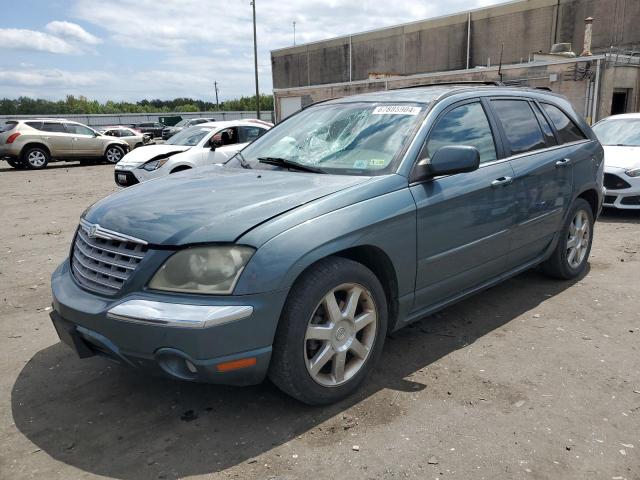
72,32
52,78
62,38
21,39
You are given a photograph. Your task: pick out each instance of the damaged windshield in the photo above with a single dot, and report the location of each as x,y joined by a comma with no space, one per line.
345,138
189,136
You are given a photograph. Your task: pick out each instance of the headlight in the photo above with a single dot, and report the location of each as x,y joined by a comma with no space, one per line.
633,173
212,269
154,164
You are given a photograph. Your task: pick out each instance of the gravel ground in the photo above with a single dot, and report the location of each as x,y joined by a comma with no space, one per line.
532,379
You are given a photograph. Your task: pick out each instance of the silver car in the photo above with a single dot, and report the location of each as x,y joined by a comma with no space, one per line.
133,137
34,143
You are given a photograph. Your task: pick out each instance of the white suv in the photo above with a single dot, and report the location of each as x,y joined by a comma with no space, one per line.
204,144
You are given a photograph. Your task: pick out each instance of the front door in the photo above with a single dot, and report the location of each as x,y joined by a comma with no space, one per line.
84,141
463,220
57,139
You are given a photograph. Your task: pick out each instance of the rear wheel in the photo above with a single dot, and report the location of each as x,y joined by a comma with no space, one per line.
36,158
331,332
113,154
571,255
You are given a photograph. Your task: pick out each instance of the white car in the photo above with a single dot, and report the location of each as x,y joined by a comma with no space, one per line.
620,137
133,138
204,144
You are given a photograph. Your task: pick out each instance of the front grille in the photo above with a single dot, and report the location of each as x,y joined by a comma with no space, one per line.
102,260
614,182
610,199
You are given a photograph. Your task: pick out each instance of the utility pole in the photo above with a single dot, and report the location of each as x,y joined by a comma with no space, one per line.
294,33
215,86
255,58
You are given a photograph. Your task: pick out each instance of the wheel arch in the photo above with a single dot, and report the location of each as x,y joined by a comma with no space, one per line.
592,198
34,144
124,148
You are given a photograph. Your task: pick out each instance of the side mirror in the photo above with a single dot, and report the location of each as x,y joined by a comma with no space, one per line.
212,144
447,160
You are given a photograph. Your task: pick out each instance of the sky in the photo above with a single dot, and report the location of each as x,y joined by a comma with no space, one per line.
136,49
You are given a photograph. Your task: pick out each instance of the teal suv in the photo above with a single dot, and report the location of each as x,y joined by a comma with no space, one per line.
345,222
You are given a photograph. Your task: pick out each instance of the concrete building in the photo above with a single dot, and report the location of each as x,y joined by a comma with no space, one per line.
468,46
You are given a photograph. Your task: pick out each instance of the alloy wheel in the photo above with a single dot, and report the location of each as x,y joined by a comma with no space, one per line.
578,240
114,155
340,334
36,158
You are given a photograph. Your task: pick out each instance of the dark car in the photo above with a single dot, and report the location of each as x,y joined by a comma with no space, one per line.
343,223
169,132
152,128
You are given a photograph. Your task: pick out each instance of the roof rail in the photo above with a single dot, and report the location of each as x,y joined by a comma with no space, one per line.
495,83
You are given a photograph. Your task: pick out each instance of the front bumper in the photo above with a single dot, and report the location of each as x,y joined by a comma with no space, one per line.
623,198
198,354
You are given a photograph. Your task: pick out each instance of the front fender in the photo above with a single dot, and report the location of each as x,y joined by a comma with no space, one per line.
387,222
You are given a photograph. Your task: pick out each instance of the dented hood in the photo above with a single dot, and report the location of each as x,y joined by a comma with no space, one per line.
210,204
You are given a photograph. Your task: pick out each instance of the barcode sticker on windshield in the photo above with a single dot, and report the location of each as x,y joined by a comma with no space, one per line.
396,110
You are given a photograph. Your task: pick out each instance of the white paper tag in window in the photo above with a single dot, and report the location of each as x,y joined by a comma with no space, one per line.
396,110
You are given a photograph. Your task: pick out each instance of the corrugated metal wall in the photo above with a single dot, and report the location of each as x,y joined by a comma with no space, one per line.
130,118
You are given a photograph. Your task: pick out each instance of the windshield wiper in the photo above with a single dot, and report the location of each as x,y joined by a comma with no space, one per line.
284,163
243,162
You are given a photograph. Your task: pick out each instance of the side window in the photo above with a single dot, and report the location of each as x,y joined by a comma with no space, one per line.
36,125
125,133
567,130
53,127
78,129
464,125
248,134
520,125
546,128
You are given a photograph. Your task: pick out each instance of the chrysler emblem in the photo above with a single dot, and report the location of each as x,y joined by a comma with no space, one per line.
92,231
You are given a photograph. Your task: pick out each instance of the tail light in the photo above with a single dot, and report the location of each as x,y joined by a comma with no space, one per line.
12,137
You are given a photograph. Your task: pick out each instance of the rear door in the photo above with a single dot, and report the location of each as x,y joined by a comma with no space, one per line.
463,220
58,139
543,176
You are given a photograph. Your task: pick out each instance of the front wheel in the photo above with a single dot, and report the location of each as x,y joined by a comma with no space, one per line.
113,154
571,255
331,332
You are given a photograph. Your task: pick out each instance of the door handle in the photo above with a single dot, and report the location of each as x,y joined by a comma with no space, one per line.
563,163
501,182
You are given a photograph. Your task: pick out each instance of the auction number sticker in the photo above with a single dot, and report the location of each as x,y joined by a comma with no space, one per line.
396,110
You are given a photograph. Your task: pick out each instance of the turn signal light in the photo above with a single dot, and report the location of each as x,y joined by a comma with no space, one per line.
12,137
236,364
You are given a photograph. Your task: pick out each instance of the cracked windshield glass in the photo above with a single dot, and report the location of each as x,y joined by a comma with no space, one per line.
359,138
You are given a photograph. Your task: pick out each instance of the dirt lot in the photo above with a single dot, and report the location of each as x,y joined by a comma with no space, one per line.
531,379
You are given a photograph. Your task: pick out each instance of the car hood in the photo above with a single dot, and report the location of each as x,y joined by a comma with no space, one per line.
150,152
621,157
210,204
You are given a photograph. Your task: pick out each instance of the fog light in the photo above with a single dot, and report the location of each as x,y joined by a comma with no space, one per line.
191,367
176,364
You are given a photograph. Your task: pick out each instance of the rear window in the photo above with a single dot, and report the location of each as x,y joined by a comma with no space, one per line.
8,126
567,130
520,125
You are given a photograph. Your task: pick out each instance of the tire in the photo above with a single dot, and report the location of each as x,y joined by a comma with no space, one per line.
17,164
571,255
36,158
113,154
309,344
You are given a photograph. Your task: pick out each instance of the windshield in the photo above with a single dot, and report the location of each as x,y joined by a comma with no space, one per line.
347,138
619,132
189,136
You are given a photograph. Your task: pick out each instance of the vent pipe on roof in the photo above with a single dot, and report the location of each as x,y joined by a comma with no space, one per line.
588,28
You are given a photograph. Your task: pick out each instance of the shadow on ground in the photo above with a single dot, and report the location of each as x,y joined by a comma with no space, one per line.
614,215
54,166
110,421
